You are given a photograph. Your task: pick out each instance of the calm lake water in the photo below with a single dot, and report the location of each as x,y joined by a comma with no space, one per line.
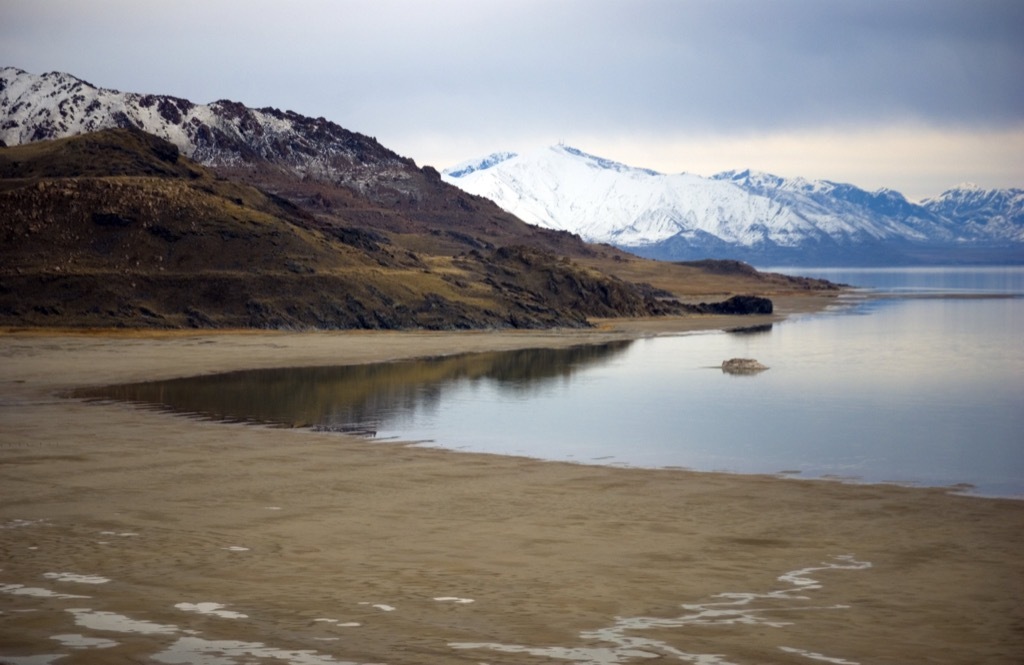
919,381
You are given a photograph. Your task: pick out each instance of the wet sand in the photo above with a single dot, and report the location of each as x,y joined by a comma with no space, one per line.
136,536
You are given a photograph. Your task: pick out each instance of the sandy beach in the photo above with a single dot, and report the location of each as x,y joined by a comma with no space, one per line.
131,536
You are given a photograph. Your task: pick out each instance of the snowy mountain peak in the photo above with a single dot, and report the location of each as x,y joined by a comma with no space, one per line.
565,188
599,162
751,178
48,81
558,156
993,213
747,214
972,192
223,133
481,164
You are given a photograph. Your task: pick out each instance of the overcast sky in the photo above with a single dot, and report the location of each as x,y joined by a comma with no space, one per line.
915,95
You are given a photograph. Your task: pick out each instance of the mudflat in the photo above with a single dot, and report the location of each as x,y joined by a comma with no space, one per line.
135,536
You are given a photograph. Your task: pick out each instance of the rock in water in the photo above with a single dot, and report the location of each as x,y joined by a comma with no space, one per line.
742,366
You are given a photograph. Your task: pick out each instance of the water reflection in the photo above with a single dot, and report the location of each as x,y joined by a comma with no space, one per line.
356,398
887,388
752,330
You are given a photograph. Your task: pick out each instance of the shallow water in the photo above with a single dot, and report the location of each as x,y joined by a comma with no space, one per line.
919,381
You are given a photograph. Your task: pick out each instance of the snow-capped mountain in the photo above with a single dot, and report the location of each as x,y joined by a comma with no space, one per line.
223,134
754,216
604,201
996,213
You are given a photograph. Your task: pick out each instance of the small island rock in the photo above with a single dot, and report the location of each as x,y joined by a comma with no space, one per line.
742,366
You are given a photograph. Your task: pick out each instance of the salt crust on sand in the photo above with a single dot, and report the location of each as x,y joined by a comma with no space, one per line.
43,659
199,651
818,656
730,608
210,608
20,523
22,590
336,622
118,623
186,650
83,642
75,577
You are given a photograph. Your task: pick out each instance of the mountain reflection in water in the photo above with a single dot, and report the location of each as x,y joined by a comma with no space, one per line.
354,398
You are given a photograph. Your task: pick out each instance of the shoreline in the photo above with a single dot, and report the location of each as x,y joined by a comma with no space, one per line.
307,534
307,348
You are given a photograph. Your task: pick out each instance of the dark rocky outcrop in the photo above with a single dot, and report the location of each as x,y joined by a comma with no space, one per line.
737,305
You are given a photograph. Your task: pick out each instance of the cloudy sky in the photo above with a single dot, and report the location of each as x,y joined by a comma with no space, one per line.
917,95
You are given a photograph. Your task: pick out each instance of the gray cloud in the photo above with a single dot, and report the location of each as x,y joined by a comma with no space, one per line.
403,69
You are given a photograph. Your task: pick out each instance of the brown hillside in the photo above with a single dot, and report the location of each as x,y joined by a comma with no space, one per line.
117,229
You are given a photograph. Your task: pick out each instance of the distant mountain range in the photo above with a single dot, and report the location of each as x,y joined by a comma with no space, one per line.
755,217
